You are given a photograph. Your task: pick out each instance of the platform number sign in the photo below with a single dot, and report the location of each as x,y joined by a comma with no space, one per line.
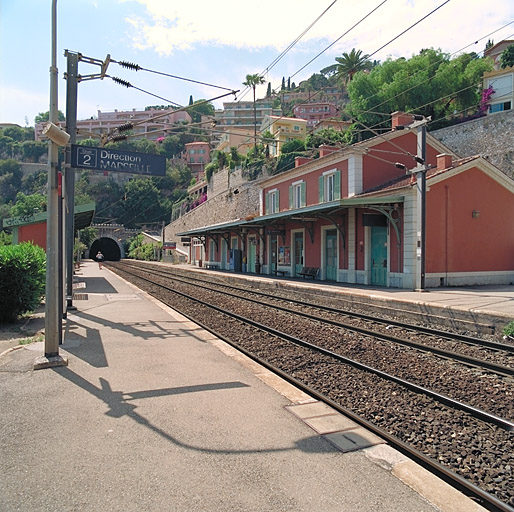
102,159
87,158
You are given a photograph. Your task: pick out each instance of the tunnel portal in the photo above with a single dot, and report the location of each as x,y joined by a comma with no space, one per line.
108,247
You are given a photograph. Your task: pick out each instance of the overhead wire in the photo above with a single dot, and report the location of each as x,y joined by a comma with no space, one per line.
285,51
340,37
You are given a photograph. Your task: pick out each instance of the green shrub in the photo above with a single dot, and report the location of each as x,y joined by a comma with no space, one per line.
22,279
508,330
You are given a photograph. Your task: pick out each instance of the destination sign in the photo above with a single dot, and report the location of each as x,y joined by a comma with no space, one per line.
102,159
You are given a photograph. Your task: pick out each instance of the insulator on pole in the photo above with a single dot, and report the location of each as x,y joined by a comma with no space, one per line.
129,65
117,138
121,82
125,127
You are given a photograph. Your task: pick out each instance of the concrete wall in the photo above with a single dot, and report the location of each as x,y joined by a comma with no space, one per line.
490,136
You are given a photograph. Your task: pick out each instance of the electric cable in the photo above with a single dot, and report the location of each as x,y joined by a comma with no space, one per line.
137,67
339,38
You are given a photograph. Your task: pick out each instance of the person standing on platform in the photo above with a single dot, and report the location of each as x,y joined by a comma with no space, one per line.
99,258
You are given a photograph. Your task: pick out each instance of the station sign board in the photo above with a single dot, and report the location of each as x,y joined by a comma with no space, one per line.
115,160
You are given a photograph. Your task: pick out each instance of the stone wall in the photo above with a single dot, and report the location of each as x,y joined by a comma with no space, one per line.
490,137
230,197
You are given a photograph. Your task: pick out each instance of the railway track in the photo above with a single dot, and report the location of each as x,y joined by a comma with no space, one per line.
459,440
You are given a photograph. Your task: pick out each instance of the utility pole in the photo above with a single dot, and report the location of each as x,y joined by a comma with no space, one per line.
53,317
69,195
72,80
421,197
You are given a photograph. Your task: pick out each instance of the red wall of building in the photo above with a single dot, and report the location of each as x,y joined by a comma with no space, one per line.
378,172
35,233
311,185
457,242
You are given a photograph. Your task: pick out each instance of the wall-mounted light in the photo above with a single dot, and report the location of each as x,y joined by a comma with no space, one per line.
475,214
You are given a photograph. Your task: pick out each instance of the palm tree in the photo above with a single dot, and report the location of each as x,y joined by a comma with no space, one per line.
348,65
253,81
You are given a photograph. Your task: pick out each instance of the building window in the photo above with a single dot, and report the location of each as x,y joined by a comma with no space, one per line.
330,186
297,195
272,202
296,128
500,107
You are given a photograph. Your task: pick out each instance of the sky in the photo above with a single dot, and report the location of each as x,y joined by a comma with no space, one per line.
218,43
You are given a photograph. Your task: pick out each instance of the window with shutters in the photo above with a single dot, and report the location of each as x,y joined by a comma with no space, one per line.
297,195
330,186
272,202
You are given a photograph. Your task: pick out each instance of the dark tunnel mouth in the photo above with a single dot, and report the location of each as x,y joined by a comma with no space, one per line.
108,247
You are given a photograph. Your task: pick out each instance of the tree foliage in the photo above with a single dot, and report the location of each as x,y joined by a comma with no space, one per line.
430,84
347,66
507,57
200,108
28,204
10,179
45,116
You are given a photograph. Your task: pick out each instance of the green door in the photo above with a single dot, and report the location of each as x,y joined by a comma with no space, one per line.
331,255
298,252
252,251
379,255
274,254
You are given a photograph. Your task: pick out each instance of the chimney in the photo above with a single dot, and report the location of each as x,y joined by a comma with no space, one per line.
444,160
300,160
325,150
400,119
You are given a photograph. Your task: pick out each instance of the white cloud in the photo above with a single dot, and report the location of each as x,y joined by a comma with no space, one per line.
172,25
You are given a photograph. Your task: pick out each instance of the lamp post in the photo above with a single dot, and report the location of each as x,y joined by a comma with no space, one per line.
53,320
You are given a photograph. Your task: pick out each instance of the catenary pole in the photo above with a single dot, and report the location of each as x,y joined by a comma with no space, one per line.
421,186
71,128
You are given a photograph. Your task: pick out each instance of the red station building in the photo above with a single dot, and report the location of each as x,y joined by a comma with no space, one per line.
355,215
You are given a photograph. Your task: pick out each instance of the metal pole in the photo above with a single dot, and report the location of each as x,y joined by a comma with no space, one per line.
71,128
53,321
421,182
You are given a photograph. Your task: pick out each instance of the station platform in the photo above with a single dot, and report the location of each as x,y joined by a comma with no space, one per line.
152,413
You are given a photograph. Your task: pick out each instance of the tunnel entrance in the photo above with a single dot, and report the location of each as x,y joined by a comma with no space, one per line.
108,247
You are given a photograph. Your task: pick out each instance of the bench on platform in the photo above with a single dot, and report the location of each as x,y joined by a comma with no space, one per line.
212,266
281,272
309,272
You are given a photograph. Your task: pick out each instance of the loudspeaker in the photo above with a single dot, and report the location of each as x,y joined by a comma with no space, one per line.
56,134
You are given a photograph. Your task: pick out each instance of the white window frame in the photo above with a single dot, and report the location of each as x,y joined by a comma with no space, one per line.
272,201
297,194
329,181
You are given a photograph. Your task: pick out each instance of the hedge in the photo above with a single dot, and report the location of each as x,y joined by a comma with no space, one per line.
22,280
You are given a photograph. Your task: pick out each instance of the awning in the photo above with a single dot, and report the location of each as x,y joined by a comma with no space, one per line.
306,214
83,216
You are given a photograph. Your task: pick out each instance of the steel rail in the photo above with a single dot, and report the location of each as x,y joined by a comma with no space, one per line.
486,499
427,330
499,369
454,404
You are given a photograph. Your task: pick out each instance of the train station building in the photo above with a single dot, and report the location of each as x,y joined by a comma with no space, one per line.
399,210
